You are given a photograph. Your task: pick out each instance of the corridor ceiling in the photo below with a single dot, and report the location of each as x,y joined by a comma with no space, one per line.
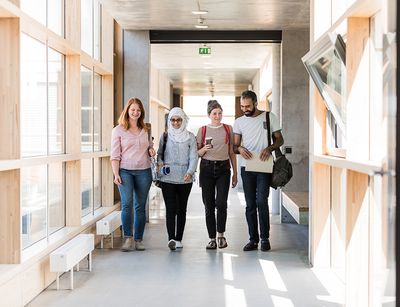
231,66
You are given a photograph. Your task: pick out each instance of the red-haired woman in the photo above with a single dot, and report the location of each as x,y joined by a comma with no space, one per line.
130,150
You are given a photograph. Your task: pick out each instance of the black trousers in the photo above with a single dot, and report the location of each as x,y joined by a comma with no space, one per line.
215,179
176,198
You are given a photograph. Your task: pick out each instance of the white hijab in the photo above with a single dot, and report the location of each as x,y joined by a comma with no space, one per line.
178,135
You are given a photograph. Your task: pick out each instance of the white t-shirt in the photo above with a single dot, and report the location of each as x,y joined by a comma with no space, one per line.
254,130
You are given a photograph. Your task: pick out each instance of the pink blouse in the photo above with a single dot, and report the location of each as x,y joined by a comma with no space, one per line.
130,149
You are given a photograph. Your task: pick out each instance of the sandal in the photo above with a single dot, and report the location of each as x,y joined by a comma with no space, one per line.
222,242
211,245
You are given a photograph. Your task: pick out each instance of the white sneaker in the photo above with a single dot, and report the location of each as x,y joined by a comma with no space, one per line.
178,244
127,246
172,245
139,246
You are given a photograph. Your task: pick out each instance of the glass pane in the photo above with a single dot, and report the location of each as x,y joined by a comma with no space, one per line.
36,9
55,16
87,26
331,71
56,197
86,186
56,101
325,63
97,113
33,204
97,182
33,97
97,30
86,110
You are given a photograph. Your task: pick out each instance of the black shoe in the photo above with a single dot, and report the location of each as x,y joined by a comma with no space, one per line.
251,246
212,245
265,246
222,242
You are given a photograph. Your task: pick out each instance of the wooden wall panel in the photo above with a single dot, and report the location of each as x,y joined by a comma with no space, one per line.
9,89
73,104
10,217
118,71
11,293
357,239
73,23
319,126
107,44
338,222
357,64
73,193
31,289
107,124
320,217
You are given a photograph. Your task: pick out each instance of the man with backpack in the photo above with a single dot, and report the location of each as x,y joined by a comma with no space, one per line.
251,138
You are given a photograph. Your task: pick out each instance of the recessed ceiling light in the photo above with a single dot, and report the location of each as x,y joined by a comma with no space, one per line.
200,12
201,26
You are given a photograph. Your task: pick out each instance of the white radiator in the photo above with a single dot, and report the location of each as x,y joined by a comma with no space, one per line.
108,225
70,254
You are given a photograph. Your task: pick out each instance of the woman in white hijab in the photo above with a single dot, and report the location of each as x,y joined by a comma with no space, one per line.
177,161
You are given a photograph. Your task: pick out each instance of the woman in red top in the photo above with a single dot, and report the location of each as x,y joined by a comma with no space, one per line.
215,147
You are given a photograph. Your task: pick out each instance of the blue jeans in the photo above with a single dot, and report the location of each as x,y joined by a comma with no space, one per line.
134,191
256,190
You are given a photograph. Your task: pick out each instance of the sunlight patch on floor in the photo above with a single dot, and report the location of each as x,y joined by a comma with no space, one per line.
281,301
227,262
272,276
234,297
332,284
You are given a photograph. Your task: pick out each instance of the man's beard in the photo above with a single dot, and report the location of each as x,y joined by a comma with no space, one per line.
250,113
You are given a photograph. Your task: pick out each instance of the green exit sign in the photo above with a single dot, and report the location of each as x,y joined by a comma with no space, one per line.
204,50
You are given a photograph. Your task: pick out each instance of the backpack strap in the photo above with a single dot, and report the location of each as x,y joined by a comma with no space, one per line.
203,134
278,151
228,134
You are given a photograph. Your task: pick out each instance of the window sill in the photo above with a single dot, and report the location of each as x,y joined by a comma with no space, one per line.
366,167
43,248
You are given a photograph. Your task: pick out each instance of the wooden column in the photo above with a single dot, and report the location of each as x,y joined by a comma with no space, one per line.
10,210
358,84
73,22
107,124
320,218
73,140
357,239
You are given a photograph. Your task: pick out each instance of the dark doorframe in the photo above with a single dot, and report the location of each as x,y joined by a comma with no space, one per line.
188,36
397,159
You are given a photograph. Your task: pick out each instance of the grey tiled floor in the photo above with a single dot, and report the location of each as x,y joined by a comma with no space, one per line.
194,276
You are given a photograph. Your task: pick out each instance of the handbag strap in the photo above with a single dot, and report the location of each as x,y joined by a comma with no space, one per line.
268,127
165,135
278,151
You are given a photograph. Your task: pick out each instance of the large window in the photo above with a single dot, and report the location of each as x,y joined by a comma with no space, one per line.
91,28
42,99
90,185
50,13
42,202
91,84
196,108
